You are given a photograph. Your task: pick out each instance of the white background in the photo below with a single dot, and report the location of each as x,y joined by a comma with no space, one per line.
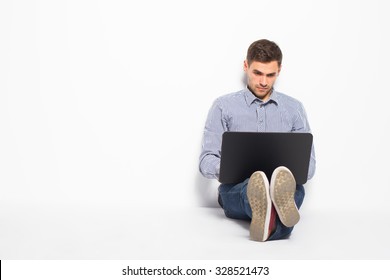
104,102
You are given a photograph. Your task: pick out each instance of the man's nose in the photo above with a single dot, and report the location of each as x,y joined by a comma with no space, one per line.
263,81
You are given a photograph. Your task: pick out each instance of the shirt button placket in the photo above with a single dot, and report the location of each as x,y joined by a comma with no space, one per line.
261,118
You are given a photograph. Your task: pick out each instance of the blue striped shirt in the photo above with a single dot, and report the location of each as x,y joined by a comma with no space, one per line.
243,111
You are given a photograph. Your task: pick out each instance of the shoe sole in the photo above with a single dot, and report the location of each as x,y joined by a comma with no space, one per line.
260,202
283,188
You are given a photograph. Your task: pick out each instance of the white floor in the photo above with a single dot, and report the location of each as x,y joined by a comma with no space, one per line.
92,231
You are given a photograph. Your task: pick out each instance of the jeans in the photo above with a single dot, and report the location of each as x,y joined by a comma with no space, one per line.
234,201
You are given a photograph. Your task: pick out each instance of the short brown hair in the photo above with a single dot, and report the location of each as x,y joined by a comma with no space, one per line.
264,51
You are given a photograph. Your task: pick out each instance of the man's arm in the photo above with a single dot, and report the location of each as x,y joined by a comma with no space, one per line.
210,157
301,124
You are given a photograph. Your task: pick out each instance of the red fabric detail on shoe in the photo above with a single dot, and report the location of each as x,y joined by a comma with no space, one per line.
272,221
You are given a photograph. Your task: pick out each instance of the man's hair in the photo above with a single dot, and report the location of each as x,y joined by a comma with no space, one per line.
264,51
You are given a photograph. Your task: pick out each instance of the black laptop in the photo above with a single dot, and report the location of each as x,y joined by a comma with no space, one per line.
243,153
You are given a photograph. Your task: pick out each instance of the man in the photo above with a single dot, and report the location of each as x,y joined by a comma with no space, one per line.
272,207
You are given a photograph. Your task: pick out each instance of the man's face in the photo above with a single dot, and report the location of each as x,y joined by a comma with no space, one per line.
261,77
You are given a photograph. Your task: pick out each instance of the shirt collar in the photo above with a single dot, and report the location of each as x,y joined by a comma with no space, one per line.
250,97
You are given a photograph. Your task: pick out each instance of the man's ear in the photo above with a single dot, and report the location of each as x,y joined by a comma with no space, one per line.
246,66
280,69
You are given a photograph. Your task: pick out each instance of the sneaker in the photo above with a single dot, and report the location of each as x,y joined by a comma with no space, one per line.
260,202
283,188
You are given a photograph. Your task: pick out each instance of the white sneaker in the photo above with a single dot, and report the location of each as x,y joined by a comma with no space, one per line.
283,188
260,202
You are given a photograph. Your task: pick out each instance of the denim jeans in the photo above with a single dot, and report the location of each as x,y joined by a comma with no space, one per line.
234,201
